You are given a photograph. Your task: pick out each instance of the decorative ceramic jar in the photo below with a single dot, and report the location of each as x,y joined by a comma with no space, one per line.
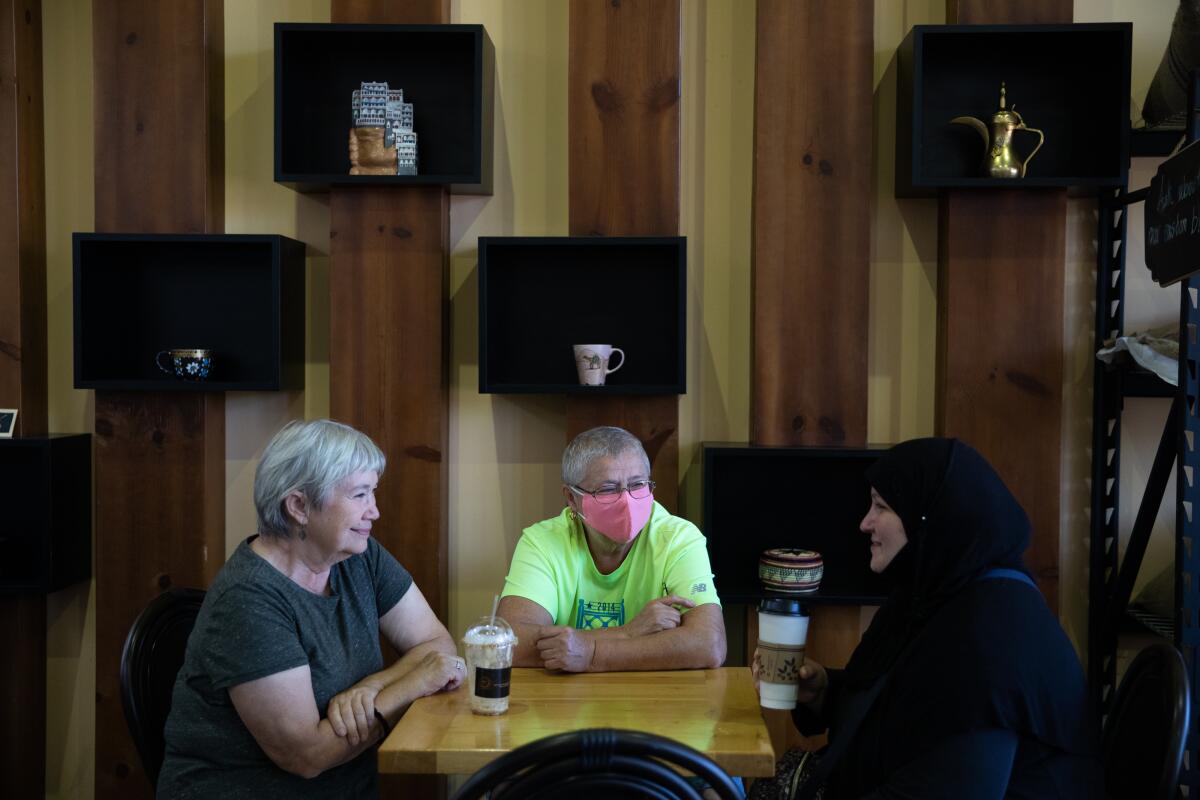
788,569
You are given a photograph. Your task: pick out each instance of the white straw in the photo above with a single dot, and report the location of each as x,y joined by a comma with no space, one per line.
495,605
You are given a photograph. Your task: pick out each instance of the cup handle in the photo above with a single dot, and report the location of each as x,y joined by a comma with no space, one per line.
158,361
611,370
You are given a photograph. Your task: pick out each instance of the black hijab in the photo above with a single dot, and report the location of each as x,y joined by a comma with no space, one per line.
963,653
960,520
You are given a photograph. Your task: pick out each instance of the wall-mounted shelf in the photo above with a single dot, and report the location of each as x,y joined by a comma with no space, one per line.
1071,81
446,72
46,527
241,296
758,498
538,296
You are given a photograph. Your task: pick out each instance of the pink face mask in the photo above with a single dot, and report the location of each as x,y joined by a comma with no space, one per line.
621,520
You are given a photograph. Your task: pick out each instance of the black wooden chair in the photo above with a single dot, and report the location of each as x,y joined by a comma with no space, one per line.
1146,731
151,659
598,763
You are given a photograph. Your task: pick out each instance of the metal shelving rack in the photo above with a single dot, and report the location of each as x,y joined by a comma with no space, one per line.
1111,579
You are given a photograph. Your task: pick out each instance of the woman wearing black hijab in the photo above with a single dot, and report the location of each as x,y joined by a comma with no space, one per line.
964,685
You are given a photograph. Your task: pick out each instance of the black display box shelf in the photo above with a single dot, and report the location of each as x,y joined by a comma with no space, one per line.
239,295
539,296
758,498
46,521
446,72
1071,81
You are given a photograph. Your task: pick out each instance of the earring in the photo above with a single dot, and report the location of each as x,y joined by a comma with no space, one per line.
303,532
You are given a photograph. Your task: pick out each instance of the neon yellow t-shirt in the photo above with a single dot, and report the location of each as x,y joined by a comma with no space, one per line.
553,567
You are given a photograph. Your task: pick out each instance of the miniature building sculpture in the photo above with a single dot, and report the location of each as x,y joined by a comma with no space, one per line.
382,141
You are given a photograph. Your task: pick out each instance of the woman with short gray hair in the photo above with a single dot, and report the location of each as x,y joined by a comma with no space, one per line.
283,692
614,582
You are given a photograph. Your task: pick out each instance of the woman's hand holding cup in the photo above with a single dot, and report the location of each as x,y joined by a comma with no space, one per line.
811,686
814,680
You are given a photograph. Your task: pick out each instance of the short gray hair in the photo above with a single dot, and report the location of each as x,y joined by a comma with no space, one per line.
605,441
312,458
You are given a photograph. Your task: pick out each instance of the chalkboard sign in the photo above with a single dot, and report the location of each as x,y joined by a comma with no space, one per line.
1173,217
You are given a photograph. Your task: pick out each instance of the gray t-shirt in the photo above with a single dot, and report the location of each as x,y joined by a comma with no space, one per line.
256,622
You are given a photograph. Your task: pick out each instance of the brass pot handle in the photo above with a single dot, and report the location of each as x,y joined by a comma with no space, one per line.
1041,140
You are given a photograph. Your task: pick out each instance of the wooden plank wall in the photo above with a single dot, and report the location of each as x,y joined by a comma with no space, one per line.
811,264
1001,266
389,345
23,370
623,121
160,457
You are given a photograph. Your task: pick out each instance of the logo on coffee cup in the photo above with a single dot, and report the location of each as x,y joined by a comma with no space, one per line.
492,683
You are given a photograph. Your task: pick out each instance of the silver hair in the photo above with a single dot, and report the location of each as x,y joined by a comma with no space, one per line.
312,458
605,441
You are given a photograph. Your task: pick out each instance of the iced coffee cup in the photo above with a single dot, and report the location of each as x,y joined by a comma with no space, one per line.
488,646
782,632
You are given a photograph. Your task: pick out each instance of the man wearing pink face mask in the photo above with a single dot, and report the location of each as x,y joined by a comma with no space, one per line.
614,582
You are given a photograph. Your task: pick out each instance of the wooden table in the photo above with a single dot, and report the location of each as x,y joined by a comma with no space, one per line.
714,711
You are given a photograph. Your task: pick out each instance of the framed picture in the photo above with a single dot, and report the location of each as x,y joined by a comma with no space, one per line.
8,422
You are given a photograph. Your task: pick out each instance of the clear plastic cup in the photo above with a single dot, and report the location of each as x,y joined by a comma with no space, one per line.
488,646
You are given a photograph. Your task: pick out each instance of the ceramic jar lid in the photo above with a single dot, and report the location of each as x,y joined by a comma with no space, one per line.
792,570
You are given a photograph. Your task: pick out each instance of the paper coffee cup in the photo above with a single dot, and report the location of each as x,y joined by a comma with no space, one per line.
488,649
782,633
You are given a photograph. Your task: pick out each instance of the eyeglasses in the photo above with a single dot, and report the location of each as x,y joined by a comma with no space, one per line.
638,490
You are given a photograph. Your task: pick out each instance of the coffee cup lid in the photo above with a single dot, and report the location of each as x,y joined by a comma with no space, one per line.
785,606
490,631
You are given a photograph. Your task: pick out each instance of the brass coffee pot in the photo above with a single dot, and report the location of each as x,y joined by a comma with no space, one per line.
999,158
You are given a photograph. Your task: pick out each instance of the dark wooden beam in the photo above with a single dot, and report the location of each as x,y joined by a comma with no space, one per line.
812,198
23,364
624,118
1001,256
388,375
623,175
23,370
23,693
391,12
1009,12
160,116
160,457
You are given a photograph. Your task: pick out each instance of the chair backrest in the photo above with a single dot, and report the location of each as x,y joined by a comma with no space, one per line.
1146,730
598,763
151,659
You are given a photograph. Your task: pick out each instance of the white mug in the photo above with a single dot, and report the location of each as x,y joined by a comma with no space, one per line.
591,360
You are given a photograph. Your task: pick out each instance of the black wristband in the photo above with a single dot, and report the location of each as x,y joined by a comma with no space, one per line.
383,723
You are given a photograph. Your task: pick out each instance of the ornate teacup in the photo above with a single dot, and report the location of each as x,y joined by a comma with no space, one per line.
193,364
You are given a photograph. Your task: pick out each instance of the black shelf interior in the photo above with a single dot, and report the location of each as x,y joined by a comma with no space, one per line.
1155,142
538,296
1071,81
46,531
758,498
446,72
1139,382
241,296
